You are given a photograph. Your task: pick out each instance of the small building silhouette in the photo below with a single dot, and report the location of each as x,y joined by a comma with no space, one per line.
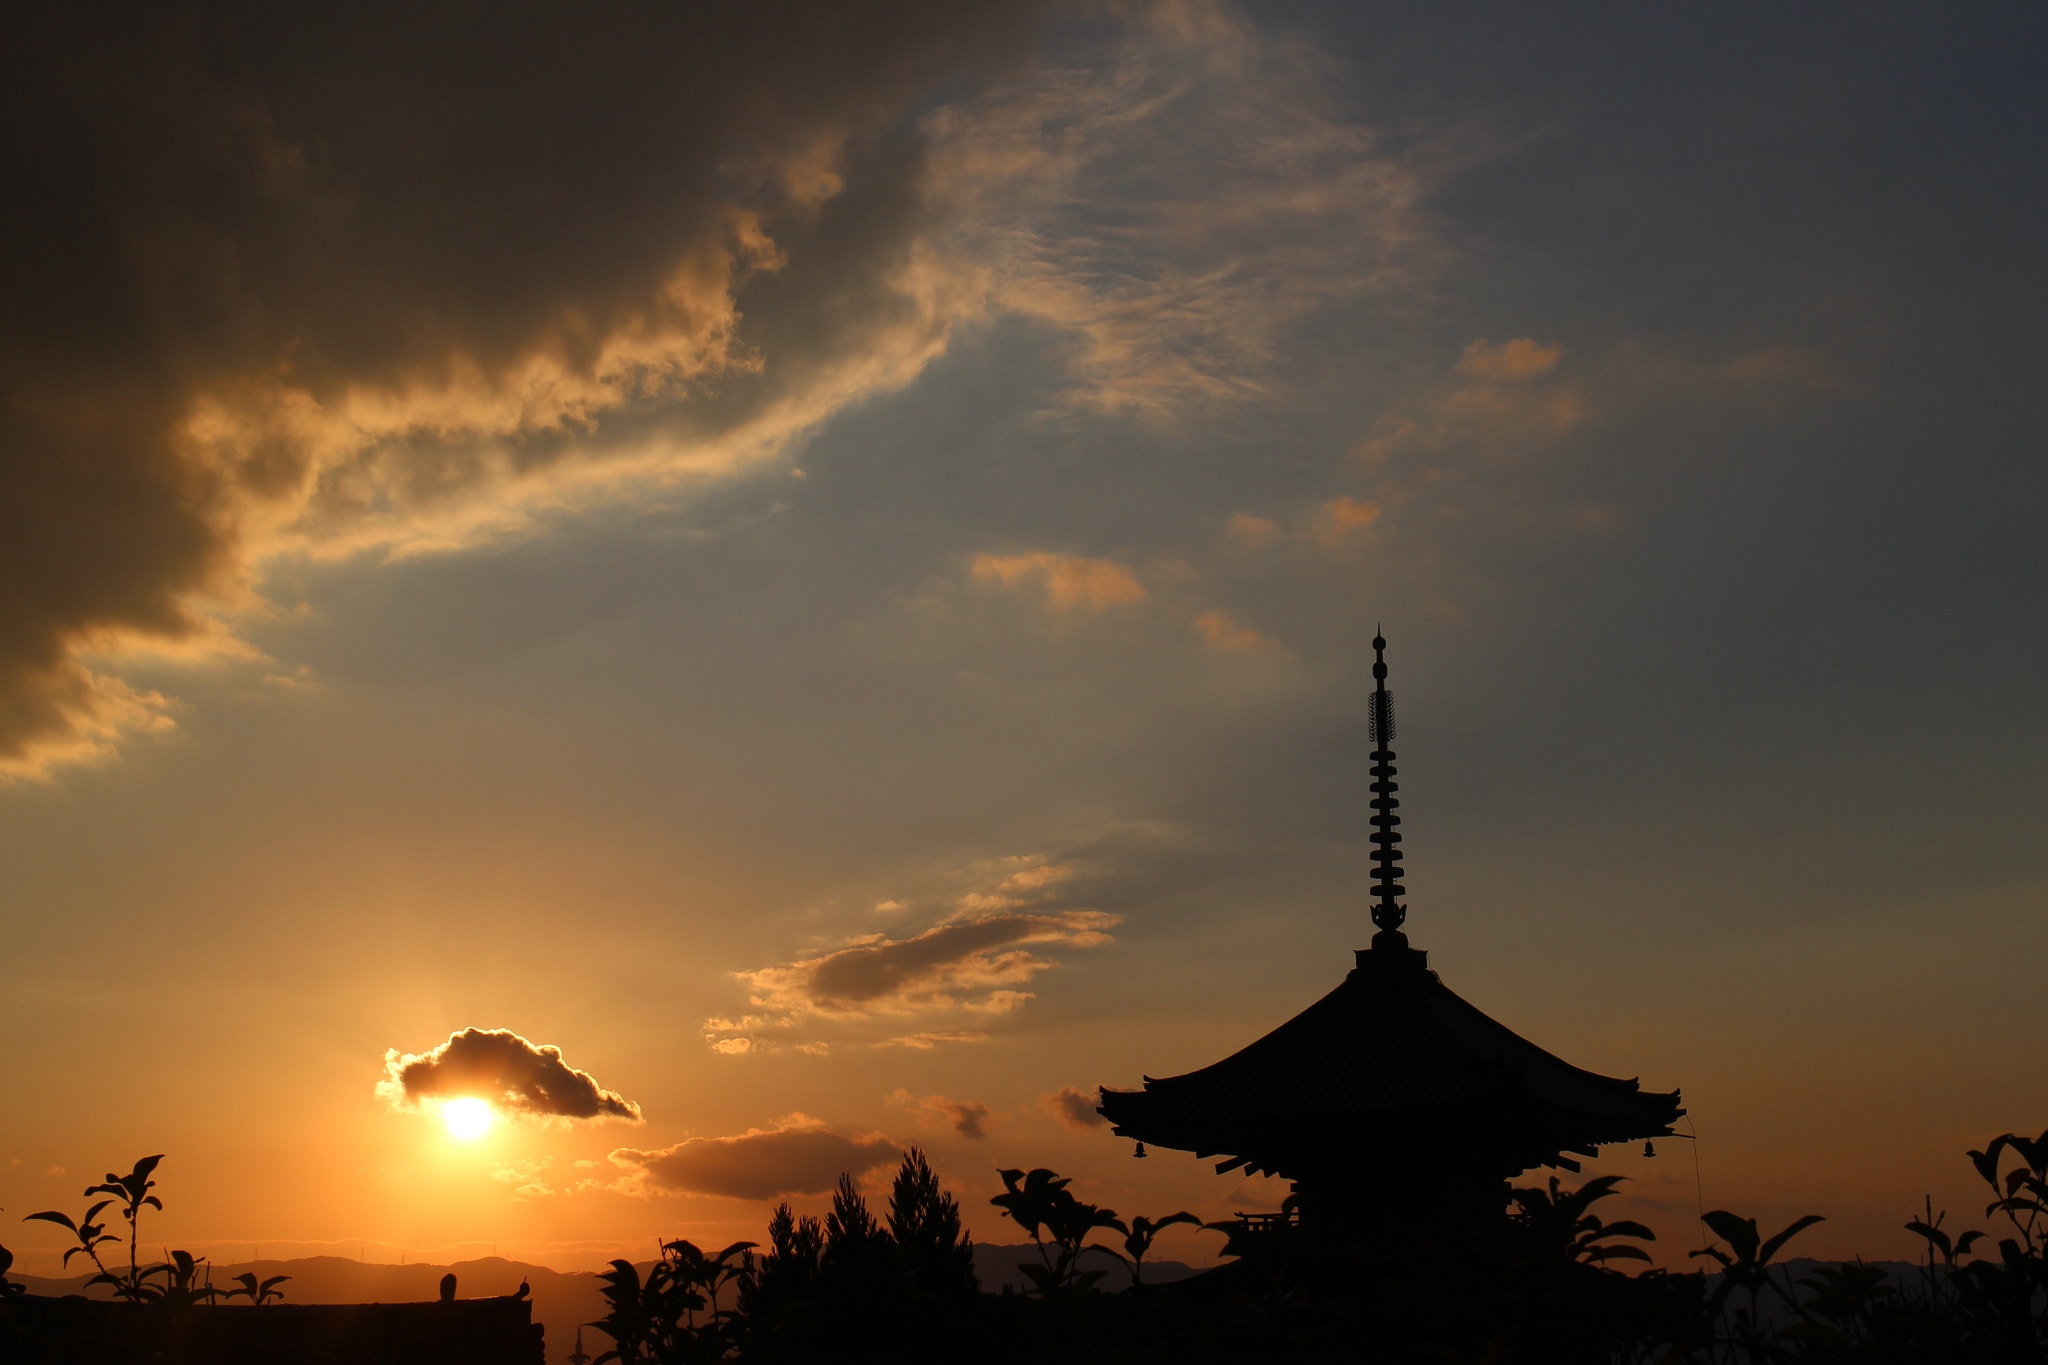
1391,1103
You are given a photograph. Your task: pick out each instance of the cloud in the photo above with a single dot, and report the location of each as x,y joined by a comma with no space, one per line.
1252,532
1246,202
1223,632
1069,583
968,1118
961,962
500,1066
1075,1109
525,1177
925,1042
799,1155
1500,401
370,286
368,279
1513,361
1343,517
969,963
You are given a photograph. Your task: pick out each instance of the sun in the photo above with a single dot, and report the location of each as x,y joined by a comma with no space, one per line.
467,1118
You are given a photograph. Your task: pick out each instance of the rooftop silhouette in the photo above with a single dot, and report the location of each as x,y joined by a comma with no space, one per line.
1391,1098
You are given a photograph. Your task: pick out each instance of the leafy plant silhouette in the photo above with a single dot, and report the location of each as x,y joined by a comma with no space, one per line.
673,1317
1561,1221
1139,1235
90,1236
1746,1265
8,1288
131,1192
1040,1203
257,1292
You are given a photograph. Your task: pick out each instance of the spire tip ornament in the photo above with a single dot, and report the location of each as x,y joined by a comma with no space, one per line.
1388,914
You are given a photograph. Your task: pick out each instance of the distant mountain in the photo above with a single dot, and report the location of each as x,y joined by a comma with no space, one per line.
560,1300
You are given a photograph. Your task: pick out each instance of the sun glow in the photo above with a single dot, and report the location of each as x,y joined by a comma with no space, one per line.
467,1118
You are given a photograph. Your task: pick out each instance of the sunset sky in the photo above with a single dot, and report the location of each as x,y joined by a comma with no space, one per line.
819,560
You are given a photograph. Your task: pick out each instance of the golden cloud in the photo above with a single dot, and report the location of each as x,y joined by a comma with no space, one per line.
1070,583
959,963
514,1075
390,309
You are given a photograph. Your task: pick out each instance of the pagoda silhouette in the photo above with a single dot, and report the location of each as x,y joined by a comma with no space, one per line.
1391,1103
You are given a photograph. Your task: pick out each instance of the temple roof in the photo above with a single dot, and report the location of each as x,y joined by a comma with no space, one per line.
1395,1054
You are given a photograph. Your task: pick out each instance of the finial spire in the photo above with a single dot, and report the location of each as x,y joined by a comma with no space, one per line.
1388,914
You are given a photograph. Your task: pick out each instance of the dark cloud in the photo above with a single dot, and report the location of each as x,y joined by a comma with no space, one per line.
980,955
500,1066
799,1155
1075,1108
290,268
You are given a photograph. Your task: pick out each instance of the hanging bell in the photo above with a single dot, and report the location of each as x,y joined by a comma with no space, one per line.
1649,1149
1140,1153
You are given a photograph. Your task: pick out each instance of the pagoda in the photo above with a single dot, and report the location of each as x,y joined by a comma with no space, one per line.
1391,1103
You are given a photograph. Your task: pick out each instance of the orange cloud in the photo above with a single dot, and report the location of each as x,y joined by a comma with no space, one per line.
925,1042
968,1118
1343,517
1513,361
1224,632
799,1155
1074,1108
1070,583
1250,531
1504,399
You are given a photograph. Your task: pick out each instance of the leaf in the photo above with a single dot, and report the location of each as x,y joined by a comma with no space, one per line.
1738,1232
52,1216
1627,1227
1771,1247
1934,1236
1986,1161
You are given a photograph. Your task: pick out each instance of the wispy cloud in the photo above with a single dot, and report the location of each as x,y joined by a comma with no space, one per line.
1225,633
967,1118
1244,203
1074,1108
527,1177
966,962
1503,399
1069,582
971,962
925,1042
